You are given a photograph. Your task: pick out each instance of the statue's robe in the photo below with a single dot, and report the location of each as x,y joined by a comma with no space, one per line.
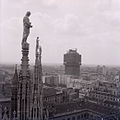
26,28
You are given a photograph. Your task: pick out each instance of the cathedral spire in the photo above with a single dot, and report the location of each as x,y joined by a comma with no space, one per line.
37,106
24,84
37,51
15,77
38,66
25,59
14,92
16,68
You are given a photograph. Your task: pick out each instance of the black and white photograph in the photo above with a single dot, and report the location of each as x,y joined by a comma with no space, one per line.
59,60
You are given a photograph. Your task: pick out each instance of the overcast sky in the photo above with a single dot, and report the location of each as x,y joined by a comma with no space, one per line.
91,26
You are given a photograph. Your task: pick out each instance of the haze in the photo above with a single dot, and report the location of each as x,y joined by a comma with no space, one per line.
91,26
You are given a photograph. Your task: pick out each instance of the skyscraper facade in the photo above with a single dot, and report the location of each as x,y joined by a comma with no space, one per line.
72,62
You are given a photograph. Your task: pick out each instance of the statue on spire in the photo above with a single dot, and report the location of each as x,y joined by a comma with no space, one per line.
37,44
38,48
26,26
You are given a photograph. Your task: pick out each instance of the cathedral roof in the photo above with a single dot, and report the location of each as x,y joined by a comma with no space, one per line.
74,107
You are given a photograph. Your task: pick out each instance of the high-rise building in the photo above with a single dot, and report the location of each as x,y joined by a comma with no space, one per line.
72,62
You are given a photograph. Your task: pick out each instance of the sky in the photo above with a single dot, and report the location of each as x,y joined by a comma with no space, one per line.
90,26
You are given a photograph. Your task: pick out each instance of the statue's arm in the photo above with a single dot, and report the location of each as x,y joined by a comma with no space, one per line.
27,22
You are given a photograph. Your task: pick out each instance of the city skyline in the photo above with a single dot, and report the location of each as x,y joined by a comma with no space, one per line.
61,26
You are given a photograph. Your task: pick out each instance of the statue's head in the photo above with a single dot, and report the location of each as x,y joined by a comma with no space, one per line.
28,13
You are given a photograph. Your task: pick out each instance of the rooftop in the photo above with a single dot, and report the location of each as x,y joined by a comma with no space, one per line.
72,107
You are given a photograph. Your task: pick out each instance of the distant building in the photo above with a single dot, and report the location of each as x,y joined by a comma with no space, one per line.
117,81
83,110
72,62
63,79
104,93
51,79
2,76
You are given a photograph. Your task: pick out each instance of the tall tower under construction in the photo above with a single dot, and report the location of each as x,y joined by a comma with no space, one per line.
72,62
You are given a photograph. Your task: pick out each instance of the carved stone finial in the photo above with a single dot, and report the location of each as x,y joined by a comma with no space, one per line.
37,43
5,110
14,115
5,117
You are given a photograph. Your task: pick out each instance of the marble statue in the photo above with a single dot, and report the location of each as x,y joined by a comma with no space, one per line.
26,27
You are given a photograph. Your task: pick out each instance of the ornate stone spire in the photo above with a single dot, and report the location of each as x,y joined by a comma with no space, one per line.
14,91
37,104
15,77
25,59
24,84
